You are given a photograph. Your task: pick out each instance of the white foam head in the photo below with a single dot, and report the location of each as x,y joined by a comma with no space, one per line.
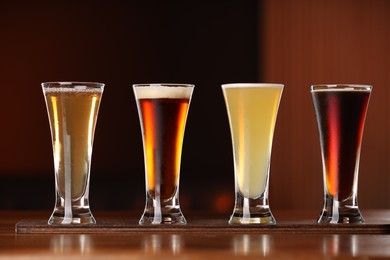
72,87
252,85
340,88
73,90
161,91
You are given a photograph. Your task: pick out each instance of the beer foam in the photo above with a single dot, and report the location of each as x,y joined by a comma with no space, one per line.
77,89
341,90
80,87
161,91
252,85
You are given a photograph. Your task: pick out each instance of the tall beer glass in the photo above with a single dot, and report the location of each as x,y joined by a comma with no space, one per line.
72,108
162,109
252,111
340,112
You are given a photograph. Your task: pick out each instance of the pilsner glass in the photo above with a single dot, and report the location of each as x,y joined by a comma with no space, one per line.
340,112
162,110
72,108
252,111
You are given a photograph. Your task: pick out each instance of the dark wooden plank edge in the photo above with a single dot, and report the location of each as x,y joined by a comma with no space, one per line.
212,226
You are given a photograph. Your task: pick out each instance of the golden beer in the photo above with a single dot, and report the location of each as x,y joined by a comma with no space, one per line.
72,114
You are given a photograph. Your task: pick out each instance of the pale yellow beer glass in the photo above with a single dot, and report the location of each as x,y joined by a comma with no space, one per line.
252,111
72,108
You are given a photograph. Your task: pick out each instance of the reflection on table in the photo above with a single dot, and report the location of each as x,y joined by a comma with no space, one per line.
260,245
188,244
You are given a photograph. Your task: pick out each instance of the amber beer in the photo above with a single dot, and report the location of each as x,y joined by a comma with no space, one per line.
163,121
72,110
163,112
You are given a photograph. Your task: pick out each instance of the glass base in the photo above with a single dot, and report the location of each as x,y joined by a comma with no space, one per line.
335,212
256,216
77,216
166,212
342,216
172,218
251,211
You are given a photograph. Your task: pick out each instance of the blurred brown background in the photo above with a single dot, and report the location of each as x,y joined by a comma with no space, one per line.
207,43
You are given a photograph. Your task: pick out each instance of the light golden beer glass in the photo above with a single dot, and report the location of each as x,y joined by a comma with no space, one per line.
72,108
252,111
162,110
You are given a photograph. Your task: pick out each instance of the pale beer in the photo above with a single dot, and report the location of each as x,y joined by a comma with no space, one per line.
252,111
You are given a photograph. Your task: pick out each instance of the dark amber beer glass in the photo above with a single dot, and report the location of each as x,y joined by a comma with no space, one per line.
341,112
162,110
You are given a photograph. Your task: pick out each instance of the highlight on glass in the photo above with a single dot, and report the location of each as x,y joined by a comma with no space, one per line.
72,109
162,110
340,111
252,110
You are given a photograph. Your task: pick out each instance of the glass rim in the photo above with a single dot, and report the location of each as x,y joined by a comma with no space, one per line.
164,85
72,84
252,85
340,87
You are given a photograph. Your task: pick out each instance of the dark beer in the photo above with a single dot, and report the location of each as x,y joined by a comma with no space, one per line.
340,115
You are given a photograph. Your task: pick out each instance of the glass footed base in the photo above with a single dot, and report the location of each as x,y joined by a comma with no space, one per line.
264,216
58,218
150,218
162,212
341,215
346,211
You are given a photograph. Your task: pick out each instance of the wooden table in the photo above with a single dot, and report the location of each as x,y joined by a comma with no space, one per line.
220,241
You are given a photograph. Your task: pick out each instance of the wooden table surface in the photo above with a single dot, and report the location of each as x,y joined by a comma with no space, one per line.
183,243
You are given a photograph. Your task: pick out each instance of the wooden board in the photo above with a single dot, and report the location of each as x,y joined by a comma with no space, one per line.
201,226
